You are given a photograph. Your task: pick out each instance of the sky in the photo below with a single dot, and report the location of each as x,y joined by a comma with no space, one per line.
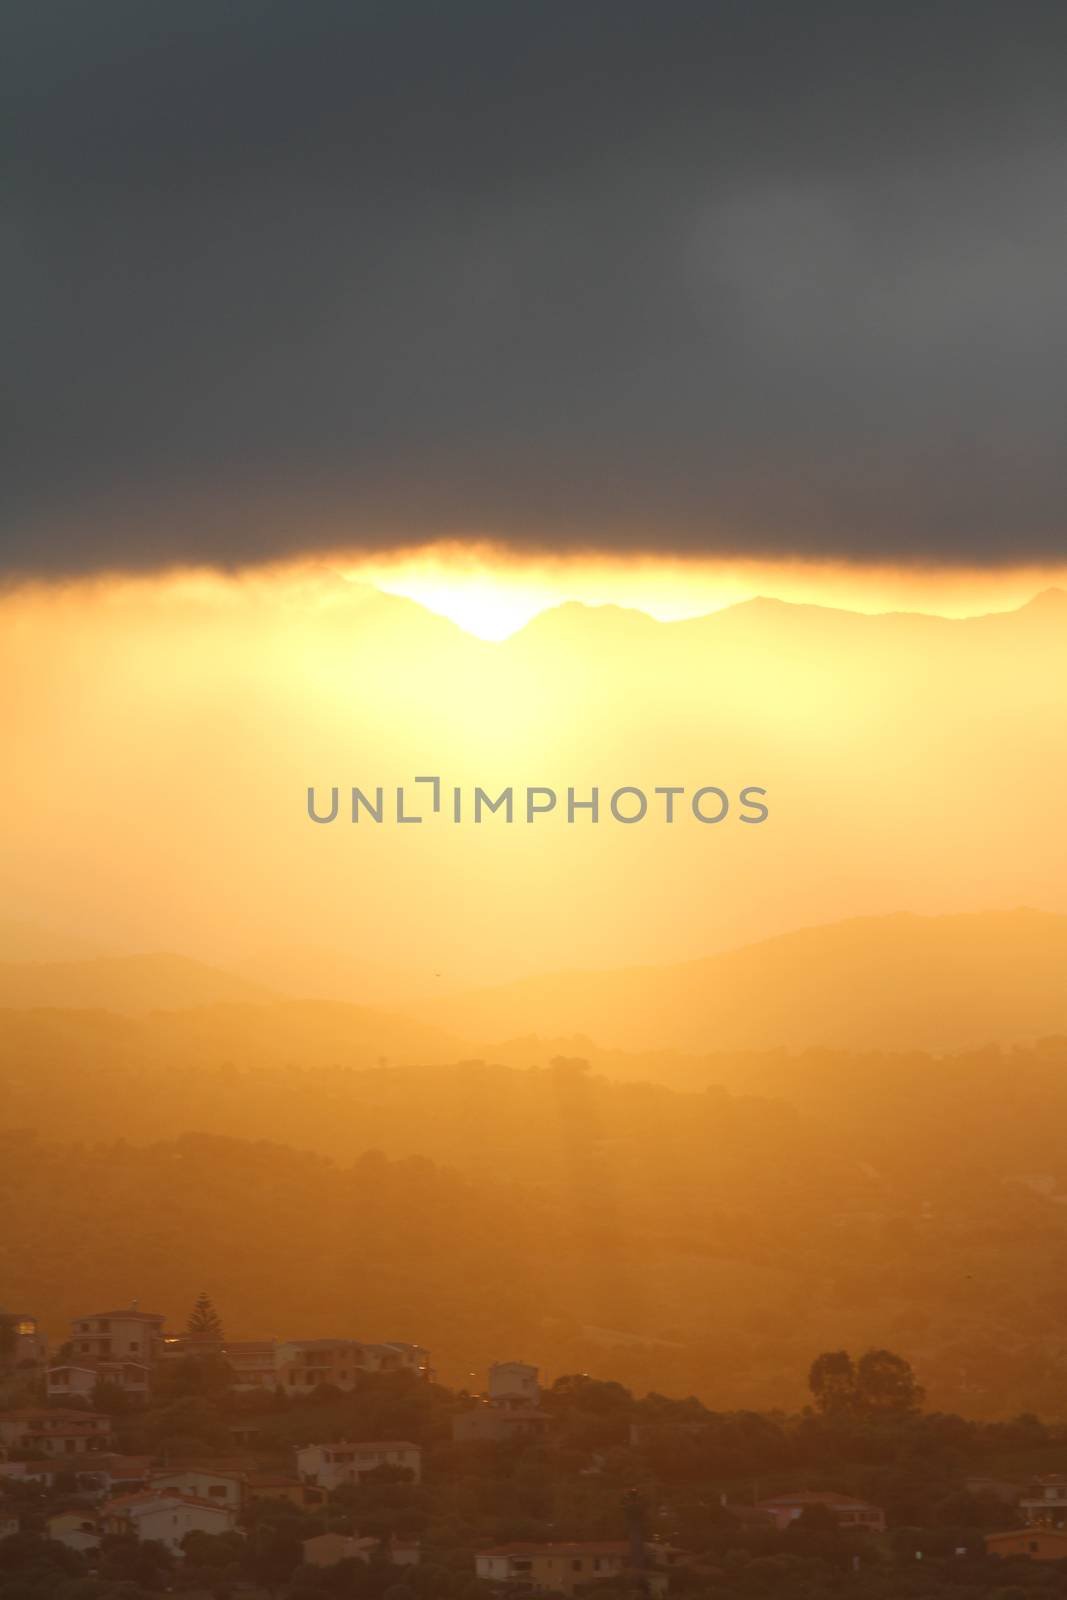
752,282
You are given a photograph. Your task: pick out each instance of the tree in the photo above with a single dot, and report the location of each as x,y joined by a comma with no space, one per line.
204,1318
832,1381
886,1386
880,1385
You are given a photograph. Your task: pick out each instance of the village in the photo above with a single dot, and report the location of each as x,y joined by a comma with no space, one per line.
254,1459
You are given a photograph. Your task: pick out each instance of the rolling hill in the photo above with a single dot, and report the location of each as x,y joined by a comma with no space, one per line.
130,985
897,982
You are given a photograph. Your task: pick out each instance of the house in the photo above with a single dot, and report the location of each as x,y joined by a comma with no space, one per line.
31,1346
115,1347
397,1356
514,1383
129,1335
97,1474
328,1466
202,1483
852,1515
510,1410
104,1474
498,1424
1045,1500
55,1431
305,1363
271,1486
69,1380
165,1515
559,1568
253,1364
1036,1543
327,1549
75,1527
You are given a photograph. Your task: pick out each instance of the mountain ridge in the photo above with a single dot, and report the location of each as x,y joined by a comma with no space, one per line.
899,981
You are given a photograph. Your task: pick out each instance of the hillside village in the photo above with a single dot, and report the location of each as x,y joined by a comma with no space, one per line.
136,1455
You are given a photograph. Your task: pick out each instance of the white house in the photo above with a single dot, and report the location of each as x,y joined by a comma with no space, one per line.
1045,1500
203,1483
302,1364
129,1335
513,1382
165,1515
559,1568
331,1465
54,1431
73,1379
253,1363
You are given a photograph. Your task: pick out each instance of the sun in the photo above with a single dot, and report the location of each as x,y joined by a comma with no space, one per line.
490,606
492,593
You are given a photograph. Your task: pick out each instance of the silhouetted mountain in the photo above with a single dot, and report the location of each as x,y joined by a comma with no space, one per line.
895,983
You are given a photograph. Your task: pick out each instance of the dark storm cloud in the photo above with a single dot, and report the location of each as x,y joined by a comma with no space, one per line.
772,278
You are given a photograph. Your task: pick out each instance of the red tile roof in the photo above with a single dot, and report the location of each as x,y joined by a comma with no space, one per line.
128,1316
202,1468
814,1497
146,1497
365,1444
35,1413
588,1547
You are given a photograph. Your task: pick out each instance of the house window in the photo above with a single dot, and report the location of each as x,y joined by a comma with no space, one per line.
134,1344
218,1490
1033,1546
576,1566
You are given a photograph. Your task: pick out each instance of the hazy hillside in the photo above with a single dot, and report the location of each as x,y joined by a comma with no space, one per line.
28,941
128,984
690,1242
303,1033
897,983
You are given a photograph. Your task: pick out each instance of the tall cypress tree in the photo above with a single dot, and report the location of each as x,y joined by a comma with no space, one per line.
204,1318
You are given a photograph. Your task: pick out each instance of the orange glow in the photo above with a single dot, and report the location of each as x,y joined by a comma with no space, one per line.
492,593
167,728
